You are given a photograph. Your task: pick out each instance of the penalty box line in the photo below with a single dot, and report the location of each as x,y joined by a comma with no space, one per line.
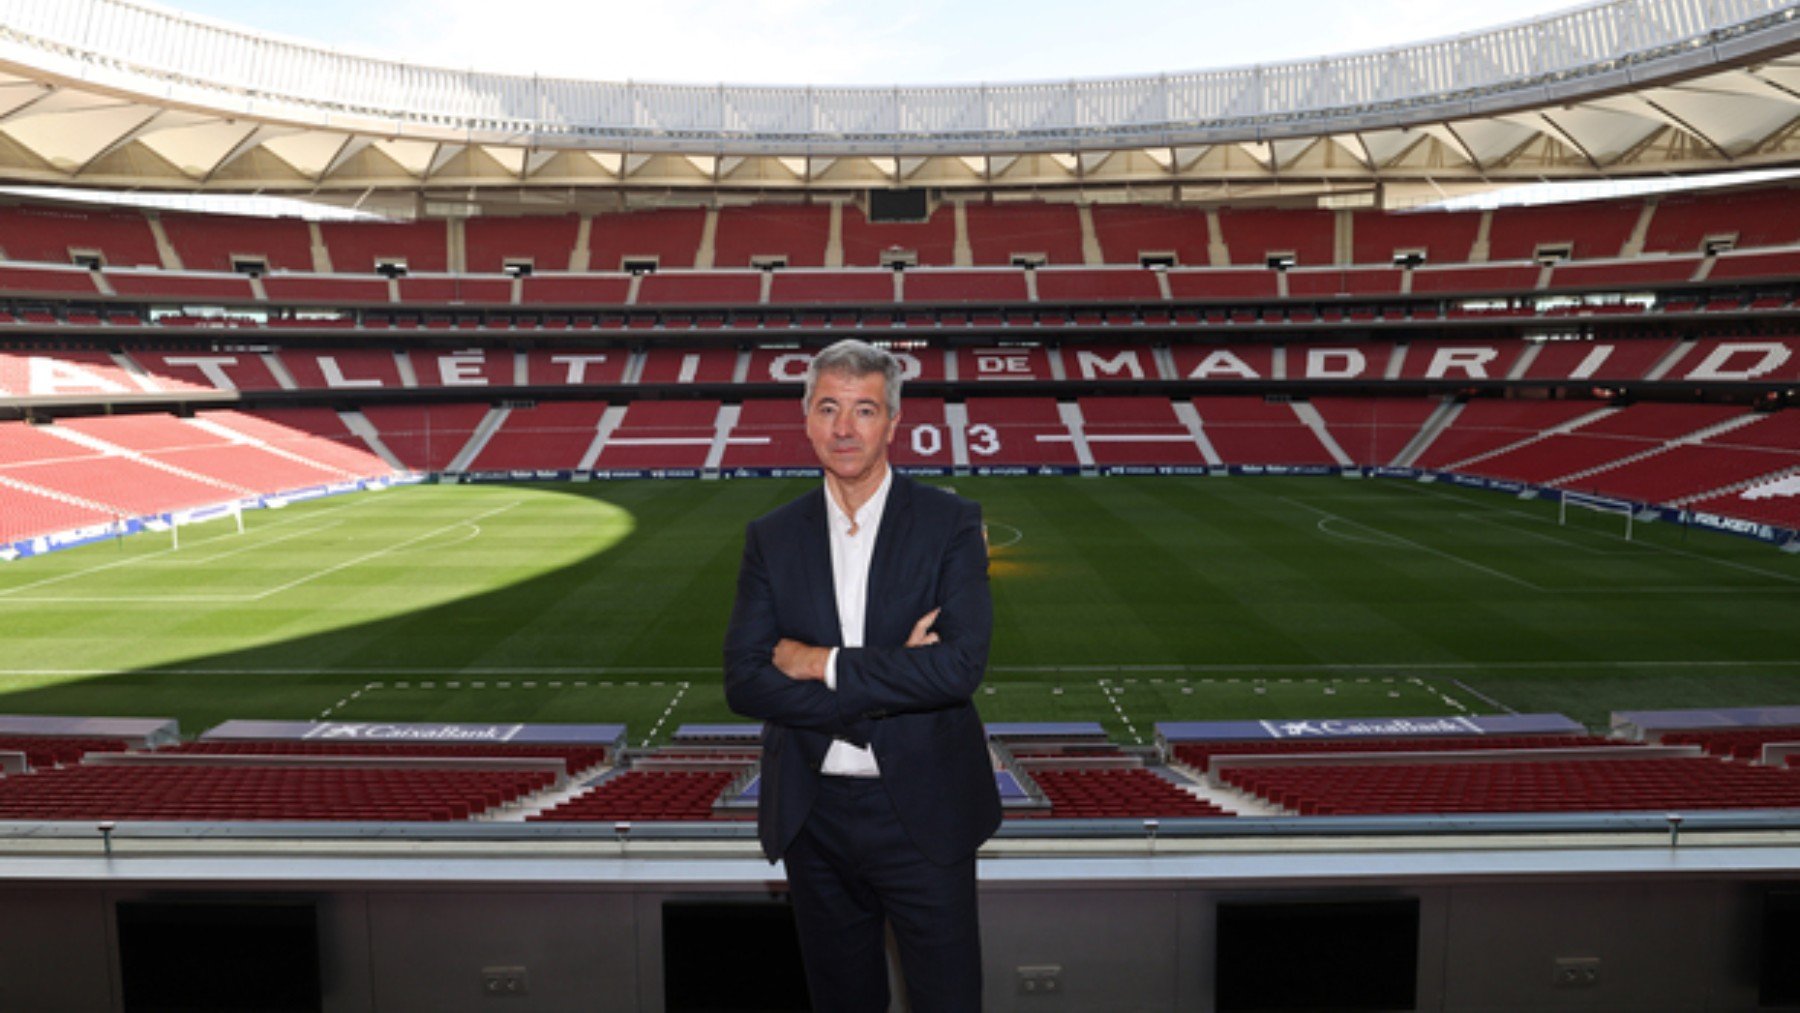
1116,691
463,685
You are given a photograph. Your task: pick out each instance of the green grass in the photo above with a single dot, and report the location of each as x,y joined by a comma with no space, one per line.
1127,601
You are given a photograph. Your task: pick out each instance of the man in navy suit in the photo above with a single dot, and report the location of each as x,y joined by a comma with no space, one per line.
859,637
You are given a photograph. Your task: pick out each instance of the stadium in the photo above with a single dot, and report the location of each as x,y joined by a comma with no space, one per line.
1395,588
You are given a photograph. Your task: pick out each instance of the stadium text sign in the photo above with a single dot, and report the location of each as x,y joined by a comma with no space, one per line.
1368,728
367,732
1386,728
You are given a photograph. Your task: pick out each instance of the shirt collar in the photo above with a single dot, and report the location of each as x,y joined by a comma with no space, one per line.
871,510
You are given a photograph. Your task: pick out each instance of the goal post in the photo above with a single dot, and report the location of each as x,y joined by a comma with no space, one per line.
1596,504
182,518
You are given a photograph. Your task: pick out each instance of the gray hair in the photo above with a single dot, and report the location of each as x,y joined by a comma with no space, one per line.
852,357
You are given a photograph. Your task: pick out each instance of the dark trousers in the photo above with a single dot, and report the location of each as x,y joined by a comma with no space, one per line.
853,871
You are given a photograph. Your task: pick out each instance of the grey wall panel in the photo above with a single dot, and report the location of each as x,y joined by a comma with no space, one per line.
1119,950
428,950
55,951
1659,949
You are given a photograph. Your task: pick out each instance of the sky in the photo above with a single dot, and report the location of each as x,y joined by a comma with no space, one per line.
858,42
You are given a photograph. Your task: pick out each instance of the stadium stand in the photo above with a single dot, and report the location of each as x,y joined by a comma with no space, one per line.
198,369
965,286
576,367
1334,283
1682,471
1438,237
107,477
239,464
1226,362
1338,254
1136,430
1629,275
1589,231
576,760
791,288
1114,793
798,235
165,285
545,242
1253,431
575,290
1774,502
212,242
1036,232
330,290
1744,744
867,243
64,282
1255,235
1450,279
1716,360
425,437
318,434
256,791
923,437
1628,359
662,434
1462,359
769,434
1757,264
1115,285
64,373
1373,431
1003,364
1523,786
1484,426
45,751
53,234
703,365
360,247
1762,217
1610,439
453,290
733,288
343,368
27,510
1127,234
1223,283
551,435
1198,756
656,795
669,238
1017,431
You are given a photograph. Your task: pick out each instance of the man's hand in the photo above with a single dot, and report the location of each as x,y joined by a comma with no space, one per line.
921,635
801,661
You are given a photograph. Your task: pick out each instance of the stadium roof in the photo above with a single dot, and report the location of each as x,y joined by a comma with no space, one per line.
111,94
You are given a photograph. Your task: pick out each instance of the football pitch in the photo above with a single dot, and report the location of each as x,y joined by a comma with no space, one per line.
1123,600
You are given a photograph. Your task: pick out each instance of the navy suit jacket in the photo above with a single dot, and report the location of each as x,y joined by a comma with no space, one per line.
912,706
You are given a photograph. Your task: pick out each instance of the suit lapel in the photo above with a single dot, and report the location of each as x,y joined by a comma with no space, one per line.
890,543
815,555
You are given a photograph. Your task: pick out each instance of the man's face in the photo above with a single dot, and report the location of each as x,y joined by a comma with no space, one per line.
849,425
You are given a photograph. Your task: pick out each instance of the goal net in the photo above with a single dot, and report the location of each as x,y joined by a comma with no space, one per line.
233,512
1574,507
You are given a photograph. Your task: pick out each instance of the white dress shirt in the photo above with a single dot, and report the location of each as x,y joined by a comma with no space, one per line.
852,549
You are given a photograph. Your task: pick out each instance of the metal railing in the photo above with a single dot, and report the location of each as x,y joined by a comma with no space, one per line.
179,58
